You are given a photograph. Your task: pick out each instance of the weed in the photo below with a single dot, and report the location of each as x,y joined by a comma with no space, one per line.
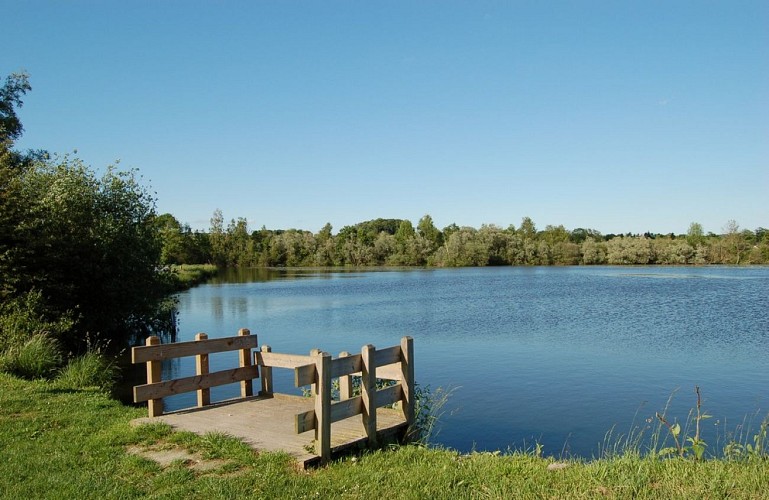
429,409
696,444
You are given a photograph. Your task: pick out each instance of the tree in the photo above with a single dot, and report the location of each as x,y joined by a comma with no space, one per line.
695,236
405,232
88,245
172,239
79,254
217,238
735,241
426,228
16,85
528,230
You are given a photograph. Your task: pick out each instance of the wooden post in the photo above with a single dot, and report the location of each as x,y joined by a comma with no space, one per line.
266,373
201,368
246,386
407,380
313,387
323,406
368,392
345,382
154,375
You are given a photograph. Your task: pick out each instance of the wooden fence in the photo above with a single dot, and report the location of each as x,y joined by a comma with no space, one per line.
394,363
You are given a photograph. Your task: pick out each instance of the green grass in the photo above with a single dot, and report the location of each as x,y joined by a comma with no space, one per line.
188,275
64,443
92,369
38,357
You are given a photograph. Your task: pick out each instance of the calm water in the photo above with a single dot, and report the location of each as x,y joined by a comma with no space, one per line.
551,355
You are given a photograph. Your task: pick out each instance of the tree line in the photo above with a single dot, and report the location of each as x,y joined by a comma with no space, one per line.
396,242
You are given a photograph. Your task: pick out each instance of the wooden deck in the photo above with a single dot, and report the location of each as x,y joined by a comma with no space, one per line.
282,422
266,423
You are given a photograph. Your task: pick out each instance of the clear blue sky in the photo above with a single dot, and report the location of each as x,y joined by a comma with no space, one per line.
613,115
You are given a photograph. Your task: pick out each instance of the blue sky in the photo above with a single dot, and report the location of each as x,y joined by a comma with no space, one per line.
612,115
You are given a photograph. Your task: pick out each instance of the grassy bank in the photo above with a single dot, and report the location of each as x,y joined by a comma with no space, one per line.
57,442
188,275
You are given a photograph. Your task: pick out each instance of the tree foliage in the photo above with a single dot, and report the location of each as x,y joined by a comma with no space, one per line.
89,246
11,93
79,253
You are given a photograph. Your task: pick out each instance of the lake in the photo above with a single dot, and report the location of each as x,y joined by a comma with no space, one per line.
549,355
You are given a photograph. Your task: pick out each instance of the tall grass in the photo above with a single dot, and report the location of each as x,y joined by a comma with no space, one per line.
92,369
38,357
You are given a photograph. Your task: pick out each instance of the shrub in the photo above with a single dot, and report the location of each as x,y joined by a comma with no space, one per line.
23,317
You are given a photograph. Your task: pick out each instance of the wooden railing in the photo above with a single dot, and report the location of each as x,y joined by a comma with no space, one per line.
317,370
154,353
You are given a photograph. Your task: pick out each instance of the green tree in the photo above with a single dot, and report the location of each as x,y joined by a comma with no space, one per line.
426,228
695,236
405,232
15,86
79,254
170,231
528,230
735,241
89,246
217,239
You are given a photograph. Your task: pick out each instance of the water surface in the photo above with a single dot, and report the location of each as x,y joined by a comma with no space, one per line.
552,355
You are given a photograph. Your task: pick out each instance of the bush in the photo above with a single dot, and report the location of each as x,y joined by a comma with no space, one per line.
23,317
93,369
38,357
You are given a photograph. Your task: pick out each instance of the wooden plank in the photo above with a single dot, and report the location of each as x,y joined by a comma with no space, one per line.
143,354
388,356
187,384
389,372
369,392
323,407
346,365
201,368
345,381
388,395
244,361
154,375
346,409
279,360
266,372
304,421
305,375
408,404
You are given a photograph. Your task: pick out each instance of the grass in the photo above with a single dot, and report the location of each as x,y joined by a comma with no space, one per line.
186,276
65,443
92,369
38,357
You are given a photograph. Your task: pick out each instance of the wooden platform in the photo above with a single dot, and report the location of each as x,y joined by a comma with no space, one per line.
266,423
